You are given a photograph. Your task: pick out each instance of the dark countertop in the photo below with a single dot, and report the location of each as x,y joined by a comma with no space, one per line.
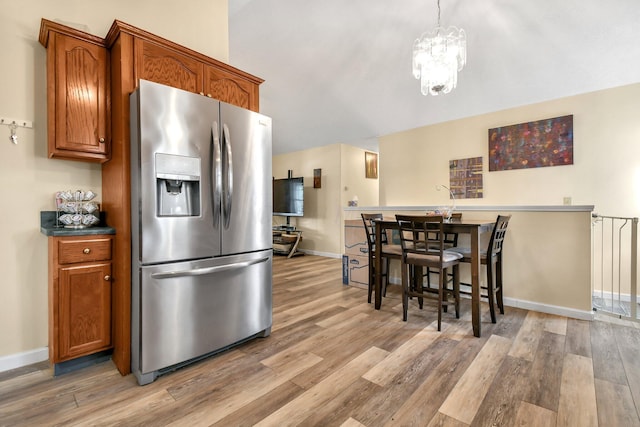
48,227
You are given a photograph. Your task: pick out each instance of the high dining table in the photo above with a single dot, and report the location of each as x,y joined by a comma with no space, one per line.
473,227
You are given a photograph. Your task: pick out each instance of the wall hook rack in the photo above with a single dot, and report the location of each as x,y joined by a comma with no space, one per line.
14,124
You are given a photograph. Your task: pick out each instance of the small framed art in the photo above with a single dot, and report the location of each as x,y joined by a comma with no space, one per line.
371,165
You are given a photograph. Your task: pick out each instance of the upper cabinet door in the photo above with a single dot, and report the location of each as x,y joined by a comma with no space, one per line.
168,67
78,101
227,87
81,96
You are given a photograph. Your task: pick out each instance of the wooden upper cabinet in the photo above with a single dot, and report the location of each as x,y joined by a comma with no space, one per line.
162,61
222,85
78,94
161,65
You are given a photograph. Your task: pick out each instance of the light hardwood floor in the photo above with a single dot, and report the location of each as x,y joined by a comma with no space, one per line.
332,360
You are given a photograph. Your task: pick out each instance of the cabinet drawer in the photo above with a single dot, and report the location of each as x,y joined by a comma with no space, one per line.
84,250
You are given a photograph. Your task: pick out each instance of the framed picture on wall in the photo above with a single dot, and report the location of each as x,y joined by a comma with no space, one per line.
371,165
538,144
465,178
317,178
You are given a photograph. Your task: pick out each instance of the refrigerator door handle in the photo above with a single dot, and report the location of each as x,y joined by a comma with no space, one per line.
207,270
216,174
227,202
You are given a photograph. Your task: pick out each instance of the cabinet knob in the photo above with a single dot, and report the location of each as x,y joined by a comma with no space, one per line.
201,93
107,278
101,140
86,250
209,95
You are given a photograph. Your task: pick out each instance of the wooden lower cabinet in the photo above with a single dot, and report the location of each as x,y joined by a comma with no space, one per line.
79,296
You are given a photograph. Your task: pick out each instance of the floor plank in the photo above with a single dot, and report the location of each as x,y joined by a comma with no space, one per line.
555,324
510,385
295,411
526,342
577,406
546,372
628,342
441,420
578,337
466,397
397,360
534,416
607,364
423,404
621,410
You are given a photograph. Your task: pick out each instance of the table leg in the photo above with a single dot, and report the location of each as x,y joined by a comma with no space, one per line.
377,288
475,281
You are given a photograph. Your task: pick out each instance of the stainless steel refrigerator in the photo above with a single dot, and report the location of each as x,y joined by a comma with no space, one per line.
200,227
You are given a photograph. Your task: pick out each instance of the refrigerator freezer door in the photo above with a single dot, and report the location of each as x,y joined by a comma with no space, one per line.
246,198
171,176
190,309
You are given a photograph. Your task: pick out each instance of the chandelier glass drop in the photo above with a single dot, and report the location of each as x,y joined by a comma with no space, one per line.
438,55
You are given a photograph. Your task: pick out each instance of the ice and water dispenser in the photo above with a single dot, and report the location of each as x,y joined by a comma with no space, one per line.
177,185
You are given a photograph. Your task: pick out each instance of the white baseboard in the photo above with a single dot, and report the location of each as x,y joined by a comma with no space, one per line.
18,360
550,309
324,254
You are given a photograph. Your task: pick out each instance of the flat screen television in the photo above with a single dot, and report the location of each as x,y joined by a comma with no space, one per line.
288,197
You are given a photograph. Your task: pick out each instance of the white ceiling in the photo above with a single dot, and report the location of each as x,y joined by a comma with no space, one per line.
339,71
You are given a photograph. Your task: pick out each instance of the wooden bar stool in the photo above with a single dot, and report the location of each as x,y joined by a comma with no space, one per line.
420,248
492,259
388,252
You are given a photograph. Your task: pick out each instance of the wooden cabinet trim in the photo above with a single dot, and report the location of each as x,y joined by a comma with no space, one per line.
116,198
47,26
121,27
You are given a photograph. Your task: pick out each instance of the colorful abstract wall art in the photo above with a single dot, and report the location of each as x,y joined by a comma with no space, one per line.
536,144
465,178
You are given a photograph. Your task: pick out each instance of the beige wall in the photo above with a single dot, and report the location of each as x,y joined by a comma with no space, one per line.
605,173
342,178
29,178
547,260
354,182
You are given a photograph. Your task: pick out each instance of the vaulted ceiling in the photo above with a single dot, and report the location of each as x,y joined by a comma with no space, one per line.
339,71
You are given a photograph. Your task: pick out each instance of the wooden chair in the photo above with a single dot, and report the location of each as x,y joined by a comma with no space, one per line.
417,235
492,259
388,252
450,241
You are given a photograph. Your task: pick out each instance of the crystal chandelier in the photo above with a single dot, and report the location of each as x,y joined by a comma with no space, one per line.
437,57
